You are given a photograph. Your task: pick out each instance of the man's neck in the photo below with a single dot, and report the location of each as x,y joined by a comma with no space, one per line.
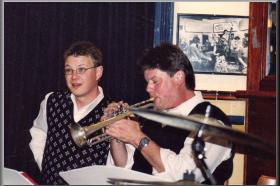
82,101
185,95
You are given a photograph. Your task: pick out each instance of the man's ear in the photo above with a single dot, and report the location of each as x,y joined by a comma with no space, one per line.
99,72
179,77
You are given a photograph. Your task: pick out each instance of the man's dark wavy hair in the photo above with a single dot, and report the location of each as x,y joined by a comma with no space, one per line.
168,58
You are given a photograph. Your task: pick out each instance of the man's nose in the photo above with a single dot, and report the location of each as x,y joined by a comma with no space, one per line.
74,75
149,88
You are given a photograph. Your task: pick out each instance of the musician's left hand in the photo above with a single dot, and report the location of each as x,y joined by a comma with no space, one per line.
125,130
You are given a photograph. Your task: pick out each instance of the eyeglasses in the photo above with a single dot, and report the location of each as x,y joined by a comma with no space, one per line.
80,70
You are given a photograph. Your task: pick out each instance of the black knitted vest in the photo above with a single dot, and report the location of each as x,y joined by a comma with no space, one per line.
61,153
173,138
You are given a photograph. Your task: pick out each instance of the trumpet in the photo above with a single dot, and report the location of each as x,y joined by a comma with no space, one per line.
81,135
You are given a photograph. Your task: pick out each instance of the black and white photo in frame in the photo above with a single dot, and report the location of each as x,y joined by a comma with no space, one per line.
215,44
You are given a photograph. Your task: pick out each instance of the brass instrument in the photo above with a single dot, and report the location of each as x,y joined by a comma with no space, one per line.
81,135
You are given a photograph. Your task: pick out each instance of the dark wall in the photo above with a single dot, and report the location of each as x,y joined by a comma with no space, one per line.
35,36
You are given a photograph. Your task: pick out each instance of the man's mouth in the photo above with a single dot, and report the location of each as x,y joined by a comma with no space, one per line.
76,85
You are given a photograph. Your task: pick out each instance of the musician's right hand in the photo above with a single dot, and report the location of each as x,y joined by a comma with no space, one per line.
112,110
124,129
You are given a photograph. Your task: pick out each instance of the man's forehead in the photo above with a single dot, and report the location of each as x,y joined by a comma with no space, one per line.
154,73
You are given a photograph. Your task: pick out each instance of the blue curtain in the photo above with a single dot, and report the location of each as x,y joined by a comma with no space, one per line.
163,22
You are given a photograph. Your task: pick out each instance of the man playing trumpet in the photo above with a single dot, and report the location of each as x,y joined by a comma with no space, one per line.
162,150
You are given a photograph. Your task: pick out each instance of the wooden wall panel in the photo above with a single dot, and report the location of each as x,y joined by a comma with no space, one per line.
261,122
260,95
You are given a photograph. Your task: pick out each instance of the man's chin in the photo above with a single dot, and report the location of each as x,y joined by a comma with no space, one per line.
77,94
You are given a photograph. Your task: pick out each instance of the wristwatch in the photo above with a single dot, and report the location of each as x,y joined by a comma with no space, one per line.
143,143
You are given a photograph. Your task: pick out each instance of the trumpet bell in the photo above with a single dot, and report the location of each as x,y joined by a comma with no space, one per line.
81,135
78,134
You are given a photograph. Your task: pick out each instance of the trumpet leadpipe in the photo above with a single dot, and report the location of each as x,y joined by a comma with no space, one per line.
97,126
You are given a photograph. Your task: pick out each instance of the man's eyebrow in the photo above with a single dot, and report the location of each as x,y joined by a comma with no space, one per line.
81,65
150,78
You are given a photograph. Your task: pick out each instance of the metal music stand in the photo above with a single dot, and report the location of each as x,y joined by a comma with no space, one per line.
199,153
198,149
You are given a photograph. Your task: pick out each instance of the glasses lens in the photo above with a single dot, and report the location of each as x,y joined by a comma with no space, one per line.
68,71
80,70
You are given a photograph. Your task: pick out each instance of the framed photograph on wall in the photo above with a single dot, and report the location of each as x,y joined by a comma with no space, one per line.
214,44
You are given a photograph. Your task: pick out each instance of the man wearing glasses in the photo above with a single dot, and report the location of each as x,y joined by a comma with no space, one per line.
51,144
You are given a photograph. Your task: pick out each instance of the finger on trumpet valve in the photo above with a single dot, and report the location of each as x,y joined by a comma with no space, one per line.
114,109
104,117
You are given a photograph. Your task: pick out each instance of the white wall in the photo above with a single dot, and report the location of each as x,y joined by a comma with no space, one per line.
237,108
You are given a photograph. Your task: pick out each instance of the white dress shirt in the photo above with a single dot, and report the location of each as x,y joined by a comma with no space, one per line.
177,164
40,127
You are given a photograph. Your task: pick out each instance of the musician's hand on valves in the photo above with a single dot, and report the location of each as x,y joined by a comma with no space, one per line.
112,109
125,130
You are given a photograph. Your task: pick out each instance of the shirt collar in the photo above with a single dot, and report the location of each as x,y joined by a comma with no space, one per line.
81,113
186,107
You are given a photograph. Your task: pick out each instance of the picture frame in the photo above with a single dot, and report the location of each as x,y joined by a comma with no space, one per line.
214,44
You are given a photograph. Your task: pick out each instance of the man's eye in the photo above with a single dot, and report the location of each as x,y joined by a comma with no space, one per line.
81,70
68,71
155,81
